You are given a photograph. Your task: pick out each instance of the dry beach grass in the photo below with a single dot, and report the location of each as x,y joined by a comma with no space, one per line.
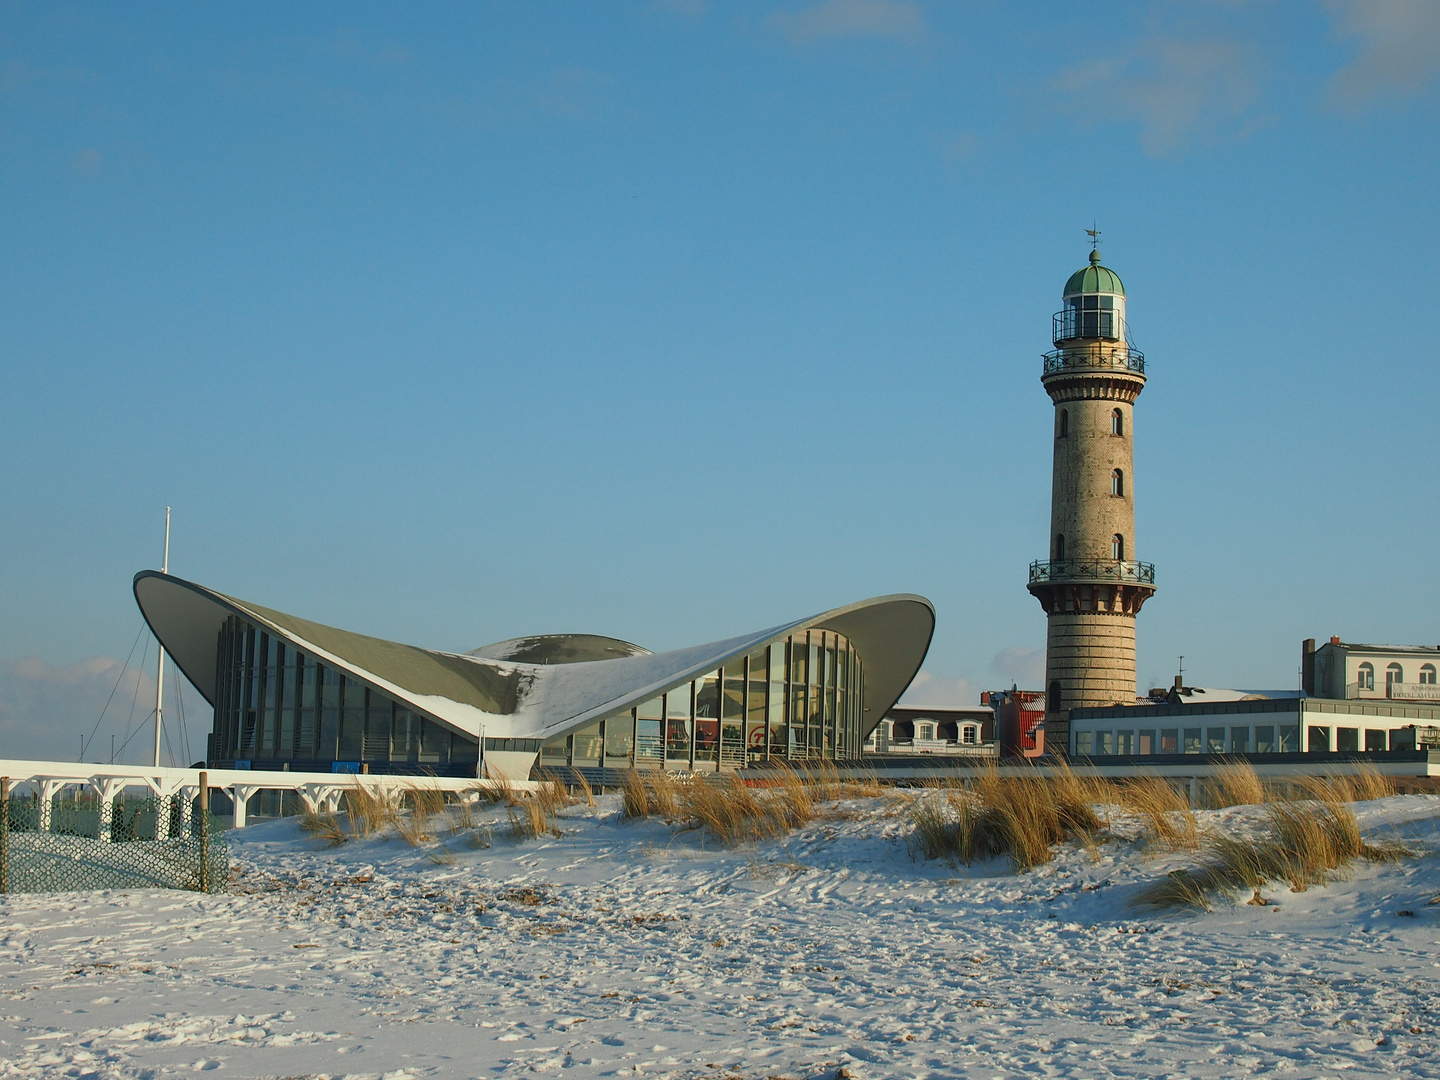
1018,816
1302,842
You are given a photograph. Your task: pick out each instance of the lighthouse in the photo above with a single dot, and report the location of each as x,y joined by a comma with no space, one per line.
1091,585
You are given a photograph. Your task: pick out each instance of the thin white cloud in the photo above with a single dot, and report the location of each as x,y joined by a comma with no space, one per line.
1179,91
1019,665
897,20
44,710
1398,48
935,691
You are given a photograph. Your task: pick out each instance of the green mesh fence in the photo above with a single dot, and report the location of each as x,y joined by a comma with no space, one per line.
138,844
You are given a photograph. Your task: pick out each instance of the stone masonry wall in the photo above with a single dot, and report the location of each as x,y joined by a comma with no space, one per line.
1092,656
1081,506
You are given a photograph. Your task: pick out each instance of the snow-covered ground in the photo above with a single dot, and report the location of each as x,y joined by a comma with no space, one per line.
631,948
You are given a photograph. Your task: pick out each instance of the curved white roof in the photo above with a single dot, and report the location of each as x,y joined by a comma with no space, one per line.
513,699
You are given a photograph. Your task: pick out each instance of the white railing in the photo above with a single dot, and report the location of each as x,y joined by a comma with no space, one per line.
933,746
316,790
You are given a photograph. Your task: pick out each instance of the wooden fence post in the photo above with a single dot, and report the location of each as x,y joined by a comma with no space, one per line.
204,832
4,834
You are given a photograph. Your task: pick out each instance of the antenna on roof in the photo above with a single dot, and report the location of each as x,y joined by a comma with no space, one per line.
1094,234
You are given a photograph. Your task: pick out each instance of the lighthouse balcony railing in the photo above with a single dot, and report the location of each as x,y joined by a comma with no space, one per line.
1095,358
1093,570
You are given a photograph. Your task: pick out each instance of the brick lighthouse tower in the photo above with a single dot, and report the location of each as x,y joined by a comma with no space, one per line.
1091,587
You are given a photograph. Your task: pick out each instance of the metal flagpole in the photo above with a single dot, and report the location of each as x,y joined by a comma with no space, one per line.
160,673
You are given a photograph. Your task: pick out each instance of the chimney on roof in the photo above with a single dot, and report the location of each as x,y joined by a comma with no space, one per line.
1177,681
1334,640
1307,667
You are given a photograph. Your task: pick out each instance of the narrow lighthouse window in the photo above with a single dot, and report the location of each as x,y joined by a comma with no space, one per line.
1117,548
1117,422
1117,483
1062,425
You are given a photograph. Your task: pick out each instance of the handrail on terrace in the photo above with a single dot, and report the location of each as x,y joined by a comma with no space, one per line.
1122,358
1102,570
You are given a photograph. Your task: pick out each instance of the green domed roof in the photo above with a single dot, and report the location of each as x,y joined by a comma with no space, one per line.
1093,279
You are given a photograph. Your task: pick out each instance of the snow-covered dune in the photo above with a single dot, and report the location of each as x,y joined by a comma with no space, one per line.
625,948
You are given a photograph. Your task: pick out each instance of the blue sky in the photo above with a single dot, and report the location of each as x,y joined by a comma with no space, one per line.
672,320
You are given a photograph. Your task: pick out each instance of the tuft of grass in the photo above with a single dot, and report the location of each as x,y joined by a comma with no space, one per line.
366,810
792,799
726,807
1167,815
734,813
531,821
635,795
1021,817
948,826
643,794
865,784
551,794
500,790
462,817
586,791
824,778
413,828
1180,888
1305,842
426,800
424,804
1366,784
323,825
1075,798
1236,784
479,837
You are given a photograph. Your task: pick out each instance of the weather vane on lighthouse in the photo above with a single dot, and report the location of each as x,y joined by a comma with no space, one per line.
1094,233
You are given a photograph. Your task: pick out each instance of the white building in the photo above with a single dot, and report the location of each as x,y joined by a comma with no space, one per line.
1349,672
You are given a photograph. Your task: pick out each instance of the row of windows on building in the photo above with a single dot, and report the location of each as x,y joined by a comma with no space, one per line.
798,698
1090,317
903,731
1261,739
1062,423
276,704
1117,547
1394,676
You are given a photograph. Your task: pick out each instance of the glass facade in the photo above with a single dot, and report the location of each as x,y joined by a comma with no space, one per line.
278,708
797,699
